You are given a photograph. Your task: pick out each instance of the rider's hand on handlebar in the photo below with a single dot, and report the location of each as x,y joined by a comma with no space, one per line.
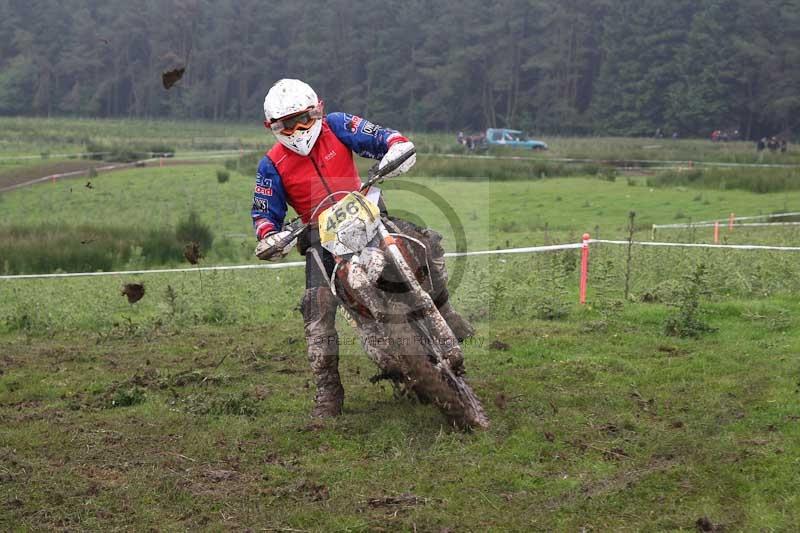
272,247
395,152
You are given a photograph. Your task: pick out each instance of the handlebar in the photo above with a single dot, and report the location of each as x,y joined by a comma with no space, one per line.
374,175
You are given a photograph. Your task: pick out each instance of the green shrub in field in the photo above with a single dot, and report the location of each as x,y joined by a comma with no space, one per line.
192,229
127,397
223,176
688,321
41,250
161,247
245,164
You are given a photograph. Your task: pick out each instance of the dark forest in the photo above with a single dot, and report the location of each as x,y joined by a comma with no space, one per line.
610,67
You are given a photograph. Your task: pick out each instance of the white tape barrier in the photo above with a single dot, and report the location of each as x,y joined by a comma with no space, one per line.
711,225
531,249
83,155
158,271
694,245
724,221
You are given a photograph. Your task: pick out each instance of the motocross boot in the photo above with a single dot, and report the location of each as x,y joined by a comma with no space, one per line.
319,314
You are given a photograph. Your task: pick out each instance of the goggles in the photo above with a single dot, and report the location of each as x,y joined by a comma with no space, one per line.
302,120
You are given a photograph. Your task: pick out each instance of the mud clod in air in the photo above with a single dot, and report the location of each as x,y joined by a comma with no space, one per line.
171,77
134,292
192,253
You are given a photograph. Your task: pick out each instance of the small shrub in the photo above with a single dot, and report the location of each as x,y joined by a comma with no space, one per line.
609,174
688,321
161,150
160,247
127,397
192,229
223,176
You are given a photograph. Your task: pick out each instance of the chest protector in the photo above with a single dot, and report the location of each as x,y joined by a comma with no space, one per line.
307,180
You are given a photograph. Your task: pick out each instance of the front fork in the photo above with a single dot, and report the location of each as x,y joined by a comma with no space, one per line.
440,335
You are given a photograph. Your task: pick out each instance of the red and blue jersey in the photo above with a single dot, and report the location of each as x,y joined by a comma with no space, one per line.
286,178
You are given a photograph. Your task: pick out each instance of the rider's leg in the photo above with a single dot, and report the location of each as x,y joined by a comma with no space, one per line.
319,313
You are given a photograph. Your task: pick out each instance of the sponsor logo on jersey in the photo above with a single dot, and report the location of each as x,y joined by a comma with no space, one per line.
370,128
259,204
353,122
330,155
266,191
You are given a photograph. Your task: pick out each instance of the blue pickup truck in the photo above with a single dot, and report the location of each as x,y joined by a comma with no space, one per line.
513,138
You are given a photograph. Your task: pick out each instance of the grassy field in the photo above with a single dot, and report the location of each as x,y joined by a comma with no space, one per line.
492,214
189,409
46,136
175,414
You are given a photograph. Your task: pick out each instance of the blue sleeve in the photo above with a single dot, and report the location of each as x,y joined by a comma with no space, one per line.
269,200
362,136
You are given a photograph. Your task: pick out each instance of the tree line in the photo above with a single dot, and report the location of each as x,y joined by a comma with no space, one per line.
618,67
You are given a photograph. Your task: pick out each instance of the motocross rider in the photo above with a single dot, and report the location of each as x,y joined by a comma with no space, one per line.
312,159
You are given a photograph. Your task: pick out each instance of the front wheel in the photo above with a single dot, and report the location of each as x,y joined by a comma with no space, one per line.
453,396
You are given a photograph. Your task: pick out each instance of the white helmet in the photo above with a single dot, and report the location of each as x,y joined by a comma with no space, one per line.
294,114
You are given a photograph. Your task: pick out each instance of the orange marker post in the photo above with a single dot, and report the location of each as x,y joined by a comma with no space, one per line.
584,267
716,232
730,222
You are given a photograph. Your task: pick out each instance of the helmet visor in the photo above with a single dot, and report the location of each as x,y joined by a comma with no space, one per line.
302,120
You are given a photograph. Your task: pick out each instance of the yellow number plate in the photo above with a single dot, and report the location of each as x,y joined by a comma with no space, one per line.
354,206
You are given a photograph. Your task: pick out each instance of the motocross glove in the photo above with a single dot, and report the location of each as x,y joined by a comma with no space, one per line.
396,151
272,246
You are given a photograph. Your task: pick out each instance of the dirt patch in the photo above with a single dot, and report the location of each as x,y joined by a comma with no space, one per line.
704,524
501,401
304,489
672,351
499,345
398,500
217,476
621,480
16,176
32,174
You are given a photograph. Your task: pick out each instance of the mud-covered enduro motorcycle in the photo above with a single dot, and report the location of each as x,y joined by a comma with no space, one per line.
383,283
